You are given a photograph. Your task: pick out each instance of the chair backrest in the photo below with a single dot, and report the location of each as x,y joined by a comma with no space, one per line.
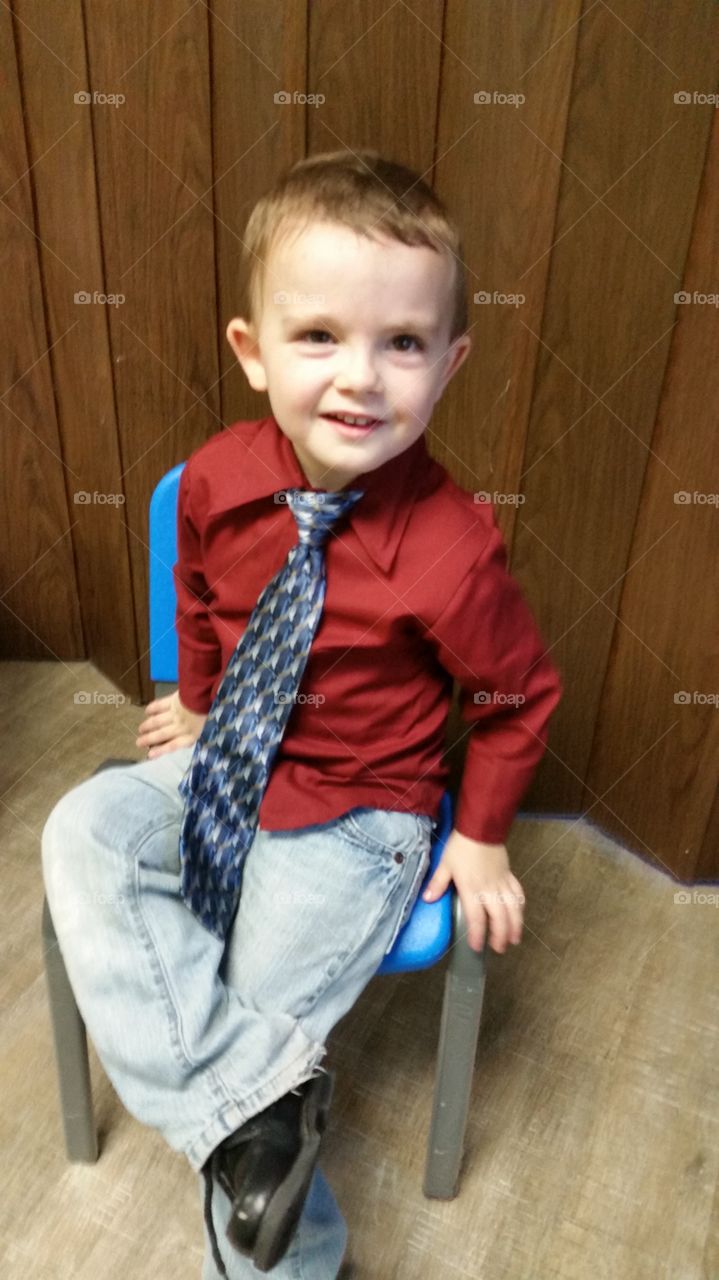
163,554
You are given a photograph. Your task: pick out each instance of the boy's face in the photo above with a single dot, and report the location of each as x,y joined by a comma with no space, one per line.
350,325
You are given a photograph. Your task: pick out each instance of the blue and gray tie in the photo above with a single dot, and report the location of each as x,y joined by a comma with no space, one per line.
233,756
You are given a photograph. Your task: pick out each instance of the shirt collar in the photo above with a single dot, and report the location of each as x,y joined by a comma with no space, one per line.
262,463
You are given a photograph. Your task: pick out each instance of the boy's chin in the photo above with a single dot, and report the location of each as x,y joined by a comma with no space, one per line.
341,461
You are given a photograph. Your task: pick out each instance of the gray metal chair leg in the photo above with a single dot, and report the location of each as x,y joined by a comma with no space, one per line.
70,1037
70,1051
461,1012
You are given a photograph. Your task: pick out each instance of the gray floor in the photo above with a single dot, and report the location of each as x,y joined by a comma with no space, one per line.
592,1143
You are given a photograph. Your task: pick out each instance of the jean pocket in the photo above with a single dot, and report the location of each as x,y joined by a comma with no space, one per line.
387,833
399,841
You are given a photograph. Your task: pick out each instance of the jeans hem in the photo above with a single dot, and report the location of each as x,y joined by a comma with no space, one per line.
234,1114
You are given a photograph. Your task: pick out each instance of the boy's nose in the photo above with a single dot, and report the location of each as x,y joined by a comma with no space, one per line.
357,372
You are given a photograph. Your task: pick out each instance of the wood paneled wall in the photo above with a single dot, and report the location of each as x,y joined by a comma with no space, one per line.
592,194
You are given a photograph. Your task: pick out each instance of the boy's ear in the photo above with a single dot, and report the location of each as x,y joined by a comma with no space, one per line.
456,357
243,341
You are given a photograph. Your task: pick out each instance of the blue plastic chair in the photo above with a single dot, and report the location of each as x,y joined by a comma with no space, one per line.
432,930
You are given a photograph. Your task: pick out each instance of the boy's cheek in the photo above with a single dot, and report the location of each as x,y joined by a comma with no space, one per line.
416,406
296,378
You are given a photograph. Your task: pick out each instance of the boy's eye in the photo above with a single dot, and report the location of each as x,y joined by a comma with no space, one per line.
409,337
314,333
310,335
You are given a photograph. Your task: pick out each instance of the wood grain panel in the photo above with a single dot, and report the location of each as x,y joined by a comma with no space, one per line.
60,139
659,780
630,173
502,185
40,615
256,53
378,67
707,862
154,168
590,400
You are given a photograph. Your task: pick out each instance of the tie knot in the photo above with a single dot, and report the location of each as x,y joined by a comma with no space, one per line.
315,513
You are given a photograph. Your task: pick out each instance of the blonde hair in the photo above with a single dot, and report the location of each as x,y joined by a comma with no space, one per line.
360,190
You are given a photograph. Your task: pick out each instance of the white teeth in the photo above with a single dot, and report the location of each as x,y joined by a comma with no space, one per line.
352,421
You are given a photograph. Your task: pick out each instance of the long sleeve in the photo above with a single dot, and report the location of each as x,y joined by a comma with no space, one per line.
199,651
487,638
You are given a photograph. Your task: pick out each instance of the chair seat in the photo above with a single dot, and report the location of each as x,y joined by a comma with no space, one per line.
427,934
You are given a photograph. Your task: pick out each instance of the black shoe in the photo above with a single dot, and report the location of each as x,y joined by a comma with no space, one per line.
265,1168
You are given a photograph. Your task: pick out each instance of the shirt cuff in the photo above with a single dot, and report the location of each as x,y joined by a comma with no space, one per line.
486,812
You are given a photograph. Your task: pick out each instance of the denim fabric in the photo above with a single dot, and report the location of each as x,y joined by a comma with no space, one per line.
197,1037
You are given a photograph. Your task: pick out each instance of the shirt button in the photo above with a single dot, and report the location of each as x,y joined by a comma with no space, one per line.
399,857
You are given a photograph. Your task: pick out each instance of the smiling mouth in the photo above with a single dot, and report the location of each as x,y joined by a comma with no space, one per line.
353,424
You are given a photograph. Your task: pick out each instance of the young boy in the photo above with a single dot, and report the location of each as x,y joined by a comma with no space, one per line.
353,324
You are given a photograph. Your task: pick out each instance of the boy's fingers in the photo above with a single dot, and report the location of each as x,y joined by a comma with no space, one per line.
160,714
500,922
437,884
163,748
516,905
476,935
516,885
496,912
173,745
157,736
158,704
475,924
513,918
155,721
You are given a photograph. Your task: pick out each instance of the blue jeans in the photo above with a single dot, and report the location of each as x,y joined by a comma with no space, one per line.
197,1036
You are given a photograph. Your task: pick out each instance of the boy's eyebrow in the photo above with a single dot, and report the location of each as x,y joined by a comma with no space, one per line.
426,326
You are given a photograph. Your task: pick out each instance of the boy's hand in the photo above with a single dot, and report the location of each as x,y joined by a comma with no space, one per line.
486,887
168,726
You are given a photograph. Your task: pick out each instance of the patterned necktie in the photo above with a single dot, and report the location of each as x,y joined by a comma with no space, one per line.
232,759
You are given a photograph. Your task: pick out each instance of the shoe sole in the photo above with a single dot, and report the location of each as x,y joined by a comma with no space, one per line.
284,1210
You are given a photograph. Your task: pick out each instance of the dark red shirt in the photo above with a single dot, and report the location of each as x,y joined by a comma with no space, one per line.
418,594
